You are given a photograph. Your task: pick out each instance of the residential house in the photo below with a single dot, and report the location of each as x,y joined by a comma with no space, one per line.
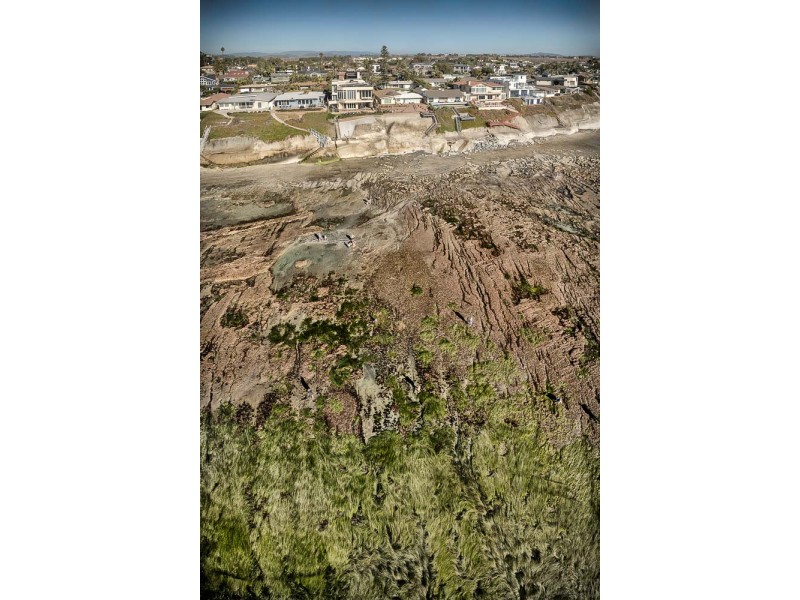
208,70
236,75
422,68
516,85
530,100
227,87
260,79
399,85
350,94
395,97
211,102
435,82
248,102
208,82
315,74
546,81
573,81
256,88
483,94
437,98
461,69
280,77
292,100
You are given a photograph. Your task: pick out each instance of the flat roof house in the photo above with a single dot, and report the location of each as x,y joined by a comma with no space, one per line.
208,82
444,97
399,85
256,88
461,69
350,94
292,100
573,81
549,81
247,102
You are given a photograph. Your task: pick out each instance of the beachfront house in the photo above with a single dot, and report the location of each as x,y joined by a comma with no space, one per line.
350,95
247,102
548,81
294,100
385,98
483,94
436,98
211,102
573,81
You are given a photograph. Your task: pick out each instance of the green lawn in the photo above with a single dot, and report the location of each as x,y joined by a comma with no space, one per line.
258,125
447,123
313,120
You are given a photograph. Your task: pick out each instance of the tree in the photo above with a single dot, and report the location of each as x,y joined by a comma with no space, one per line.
320,61
384,58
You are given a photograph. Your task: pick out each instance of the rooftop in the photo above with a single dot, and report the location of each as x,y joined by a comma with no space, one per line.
442,93
256,96
301,96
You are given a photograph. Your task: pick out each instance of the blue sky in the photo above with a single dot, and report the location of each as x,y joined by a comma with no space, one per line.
464,26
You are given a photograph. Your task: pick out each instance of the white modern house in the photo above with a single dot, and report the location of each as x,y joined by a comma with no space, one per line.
350,94
247,102
399,85
573,81
209,82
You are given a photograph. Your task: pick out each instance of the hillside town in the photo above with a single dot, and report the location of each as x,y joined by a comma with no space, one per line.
385,83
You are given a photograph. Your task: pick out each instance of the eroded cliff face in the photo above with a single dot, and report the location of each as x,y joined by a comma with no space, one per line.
346,286
243,150
379,135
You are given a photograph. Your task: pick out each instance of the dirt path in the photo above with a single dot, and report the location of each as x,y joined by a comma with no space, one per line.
275,116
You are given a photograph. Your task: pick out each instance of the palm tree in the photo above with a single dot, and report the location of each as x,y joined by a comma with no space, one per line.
320,61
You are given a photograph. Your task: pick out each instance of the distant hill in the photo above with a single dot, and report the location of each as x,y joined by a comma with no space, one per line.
304,53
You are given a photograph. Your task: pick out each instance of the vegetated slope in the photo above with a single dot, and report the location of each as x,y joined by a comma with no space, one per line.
400,377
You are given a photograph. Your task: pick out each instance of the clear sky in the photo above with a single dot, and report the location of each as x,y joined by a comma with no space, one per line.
568,27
